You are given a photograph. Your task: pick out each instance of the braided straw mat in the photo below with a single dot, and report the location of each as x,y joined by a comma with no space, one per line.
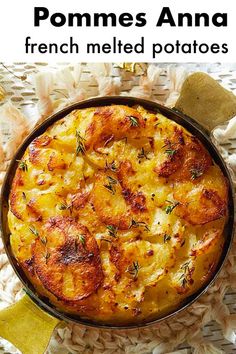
33,91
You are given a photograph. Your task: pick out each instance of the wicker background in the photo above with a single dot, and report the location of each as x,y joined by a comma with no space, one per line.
16,80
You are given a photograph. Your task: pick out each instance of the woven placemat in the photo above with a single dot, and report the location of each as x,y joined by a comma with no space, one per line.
161,83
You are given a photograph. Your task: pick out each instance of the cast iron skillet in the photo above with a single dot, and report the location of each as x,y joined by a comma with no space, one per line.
176,116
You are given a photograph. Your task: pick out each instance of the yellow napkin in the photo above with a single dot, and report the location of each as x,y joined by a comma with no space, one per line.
27,327
205,100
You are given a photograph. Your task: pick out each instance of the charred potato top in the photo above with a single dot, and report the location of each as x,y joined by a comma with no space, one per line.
117,214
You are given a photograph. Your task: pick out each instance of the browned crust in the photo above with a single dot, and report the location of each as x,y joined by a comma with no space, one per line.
121,262
33,210
79,200
18,180
195,163
28,266
173,162
41,141
189,162
14,197
103,206
81,261
211,207
56,163
112,122
136,200
125,170
209,240
35,148
184,288
115,257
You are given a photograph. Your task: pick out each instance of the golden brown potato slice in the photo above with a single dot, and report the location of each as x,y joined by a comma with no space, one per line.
108,201
67,261
35,149
209,241
186,159
141,261
204,202
111,123
136,199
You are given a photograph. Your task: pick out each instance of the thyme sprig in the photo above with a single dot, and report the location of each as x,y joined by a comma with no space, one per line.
186,271
170,149
166,238
143,154
22,165
47,256
170,152
134,269
195,173
112,230
34,231
184,281
133,121
172,205
139,224
186,267
111,166
64,206
43,240
80,148
82,240
111,185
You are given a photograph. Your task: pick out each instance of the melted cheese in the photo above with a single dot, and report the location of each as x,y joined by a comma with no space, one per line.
116,214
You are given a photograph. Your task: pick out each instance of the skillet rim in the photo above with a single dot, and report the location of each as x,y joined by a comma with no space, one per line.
172,114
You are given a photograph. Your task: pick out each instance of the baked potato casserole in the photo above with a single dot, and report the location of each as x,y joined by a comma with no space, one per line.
117,214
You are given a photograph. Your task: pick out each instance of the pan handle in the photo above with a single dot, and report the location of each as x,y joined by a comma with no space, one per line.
26,326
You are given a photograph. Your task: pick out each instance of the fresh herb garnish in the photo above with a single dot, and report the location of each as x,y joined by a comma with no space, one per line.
112,230
167,238
111,185
134,269
182,243
80,148
170,152
47,256
22,165
195,173
185,266
139,223
143,154
34,231
133,121
82,239
169,208
111,166
43,240
186,271
64,206
184,282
